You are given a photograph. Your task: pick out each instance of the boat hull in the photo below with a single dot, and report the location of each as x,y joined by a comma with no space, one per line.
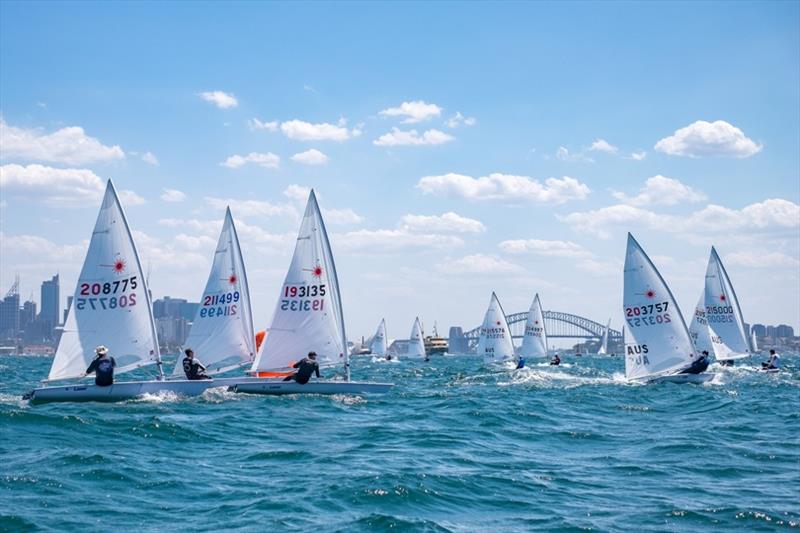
734,357
683,378
126,390
274,387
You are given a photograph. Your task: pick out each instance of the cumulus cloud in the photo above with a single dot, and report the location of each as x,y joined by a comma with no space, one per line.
547,248
417,111
478,264
460,120
247,208
703,139
298,193
341,217
255,124
761,259
220,99
311,157
268,160
504,187
299,130
398,137
445,223
173,195
394,240
638,156
150,158
660,190
70,146
601,145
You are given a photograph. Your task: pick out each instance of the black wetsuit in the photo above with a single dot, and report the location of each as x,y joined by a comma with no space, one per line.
698,366
103,368
194,369
305,367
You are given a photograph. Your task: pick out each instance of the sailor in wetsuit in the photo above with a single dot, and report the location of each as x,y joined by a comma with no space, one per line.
699,365
305,367
193,368
103,367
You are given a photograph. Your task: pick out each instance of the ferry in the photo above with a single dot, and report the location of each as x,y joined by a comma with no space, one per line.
434,344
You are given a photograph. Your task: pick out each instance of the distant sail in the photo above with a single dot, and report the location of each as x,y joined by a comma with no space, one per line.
378,344
753,341
728,337
658,341
111,305
494,343
603,350
699,330
222,334
534,342
416,344
308,315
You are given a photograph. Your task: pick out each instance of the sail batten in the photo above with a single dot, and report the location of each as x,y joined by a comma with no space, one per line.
534,342
495,344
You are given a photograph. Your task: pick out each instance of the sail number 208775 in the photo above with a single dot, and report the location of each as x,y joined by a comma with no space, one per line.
104,295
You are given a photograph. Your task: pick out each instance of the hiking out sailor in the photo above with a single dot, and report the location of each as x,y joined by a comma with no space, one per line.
556,360
699,365
305,367
103,367
193,368
520,362
774,362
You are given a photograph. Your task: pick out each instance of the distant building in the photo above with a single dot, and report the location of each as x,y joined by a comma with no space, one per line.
457,342
784,332
50,310
174,307
172,332
9,313
27,315
66,311
760,330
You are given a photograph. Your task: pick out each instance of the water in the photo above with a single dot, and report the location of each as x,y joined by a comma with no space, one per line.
453,448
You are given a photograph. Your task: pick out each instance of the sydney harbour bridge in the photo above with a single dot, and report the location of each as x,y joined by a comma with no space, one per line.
558,325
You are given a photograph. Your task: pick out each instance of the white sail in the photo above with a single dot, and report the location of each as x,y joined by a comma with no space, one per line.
753,341
494,343
378,344
222,334
658,341
308,315
416,344
699,330
603,350
534,343
728,337
111,305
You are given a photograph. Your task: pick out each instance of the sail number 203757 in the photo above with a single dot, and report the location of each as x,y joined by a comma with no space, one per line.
303,298
648,315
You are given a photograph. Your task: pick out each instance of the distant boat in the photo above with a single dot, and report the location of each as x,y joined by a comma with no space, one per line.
658,346
434,344
416,344
603,350
753,341
378,344
308,317
534,342
495,344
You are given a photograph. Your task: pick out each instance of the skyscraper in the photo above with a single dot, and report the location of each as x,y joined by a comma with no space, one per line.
50,313
9,313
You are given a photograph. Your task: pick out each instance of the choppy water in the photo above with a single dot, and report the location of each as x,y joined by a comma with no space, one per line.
453,448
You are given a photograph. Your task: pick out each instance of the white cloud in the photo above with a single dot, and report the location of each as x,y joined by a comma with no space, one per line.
702,139
769,214
341,217
638,156
458,120
127,197
268,160
306,131
563,154
298,193
393,241
504,187
417,111
547,248
173,195
256,124
478,264
220,99
311,157
446,223
761,259
601,145
660,190
38,249
150,158
70,146
398,137
247,208
597,222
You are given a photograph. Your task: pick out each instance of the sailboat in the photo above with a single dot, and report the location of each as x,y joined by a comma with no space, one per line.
698,330
222,331
111,306
534,342
416,343
725,324
603,350
378,344
308,317
494,343
753,341
658,346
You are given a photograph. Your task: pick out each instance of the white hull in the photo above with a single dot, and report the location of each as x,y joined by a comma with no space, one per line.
733,357
683,378
127,390
277,387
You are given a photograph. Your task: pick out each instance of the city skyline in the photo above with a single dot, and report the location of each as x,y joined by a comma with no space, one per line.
515,162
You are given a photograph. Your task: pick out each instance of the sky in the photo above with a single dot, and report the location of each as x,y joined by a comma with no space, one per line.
456,148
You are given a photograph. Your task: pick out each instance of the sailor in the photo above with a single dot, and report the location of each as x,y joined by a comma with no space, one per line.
699,365
556,360
103,367
774,362
193,368
521,363
388,357
305,367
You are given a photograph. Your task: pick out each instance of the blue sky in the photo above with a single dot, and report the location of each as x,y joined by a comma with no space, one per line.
679,122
